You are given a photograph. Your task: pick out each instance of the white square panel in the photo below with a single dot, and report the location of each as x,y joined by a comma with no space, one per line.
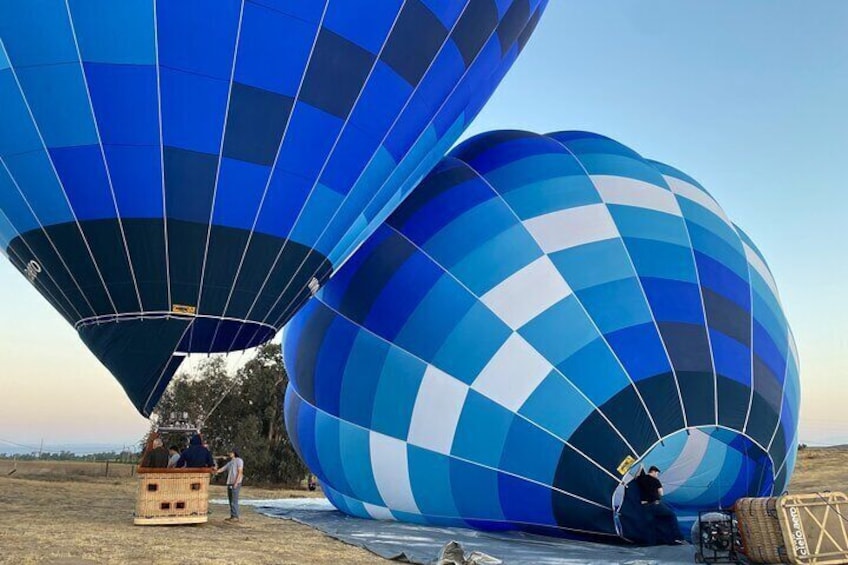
527,293
378,512
391,472
695,194
436,412
513,373
793,348
632,192
761,268
572,227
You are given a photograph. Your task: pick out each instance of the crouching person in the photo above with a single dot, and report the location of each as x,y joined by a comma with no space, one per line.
662,519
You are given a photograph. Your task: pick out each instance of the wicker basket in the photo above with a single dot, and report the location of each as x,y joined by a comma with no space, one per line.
814,527
759,528
172,496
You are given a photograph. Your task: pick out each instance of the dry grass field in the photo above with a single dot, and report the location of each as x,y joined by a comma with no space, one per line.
821,468
71,513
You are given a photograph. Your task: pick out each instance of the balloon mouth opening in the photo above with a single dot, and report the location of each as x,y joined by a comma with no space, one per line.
709,467
204,333
144,350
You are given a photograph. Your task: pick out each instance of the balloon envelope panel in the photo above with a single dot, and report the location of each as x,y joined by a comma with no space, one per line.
177,175
540,314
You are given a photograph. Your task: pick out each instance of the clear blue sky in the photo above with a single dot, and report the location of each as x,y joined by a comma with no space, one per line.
747,96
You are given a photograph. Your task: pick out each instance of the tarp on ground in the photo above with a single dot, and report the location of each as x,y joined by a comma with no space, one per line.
412,543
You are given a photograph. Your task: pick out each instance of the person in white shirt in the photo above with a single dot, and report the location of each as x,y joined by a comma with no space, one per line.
235,476
174,456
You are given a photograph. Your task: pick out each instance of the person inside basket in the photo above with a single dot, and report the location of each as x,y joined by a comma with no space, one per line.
173,456
661,518
157,457
235,475
196,455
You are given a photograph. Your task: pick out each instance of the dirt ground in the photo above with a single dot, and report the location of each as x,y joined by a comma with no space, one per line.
67,518
67,514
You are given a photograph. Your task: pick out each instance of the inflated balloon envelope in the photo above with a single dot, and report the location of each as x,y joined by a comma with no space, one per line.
179,176
544,315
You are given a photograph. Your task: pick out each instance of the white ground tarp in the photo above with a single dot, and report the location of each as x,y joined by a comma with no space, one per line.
421,544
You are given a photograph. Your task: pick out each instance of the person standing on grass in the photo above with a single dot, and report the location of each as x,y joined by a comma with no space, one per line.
235,476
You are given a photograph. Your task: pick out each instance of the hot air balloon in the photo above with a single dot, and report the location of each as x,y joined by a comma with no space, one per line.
543,316
179,177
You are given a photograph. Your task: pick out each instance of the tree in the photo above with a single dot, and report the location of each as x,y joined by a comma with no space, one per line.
244,410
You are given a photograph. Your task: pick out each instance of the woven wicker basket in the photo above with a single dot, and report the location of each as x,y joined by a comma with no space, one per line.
759,527
172,496
814,527
803,529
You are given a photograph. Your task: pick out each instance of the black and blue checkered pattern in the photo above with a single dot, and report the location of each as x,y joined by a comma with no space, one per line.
542,312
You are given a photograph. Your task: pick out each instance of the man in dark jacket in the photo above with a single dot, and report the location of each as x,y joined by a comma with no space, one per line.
196,455
663,519
156,457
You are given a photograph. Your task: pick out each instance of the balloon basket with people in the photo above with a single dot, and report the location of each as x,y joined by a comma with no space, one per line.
172,497
173,484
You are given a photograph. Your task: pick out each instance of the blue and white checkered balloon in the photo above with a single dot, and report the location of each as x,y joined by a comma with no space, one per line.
543,313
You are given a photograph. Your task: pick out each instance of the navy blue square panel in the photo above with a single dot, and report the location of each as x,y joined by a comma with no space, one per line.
414,42
476,25
733,402
336,74
727,317
189,182
767,384
687,346
306,358
365,289
525,34
255,124
513,24
762,420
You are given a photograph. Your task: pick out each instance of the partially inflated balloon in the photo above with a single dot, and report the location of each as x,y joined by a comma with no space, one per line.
542,315
178,176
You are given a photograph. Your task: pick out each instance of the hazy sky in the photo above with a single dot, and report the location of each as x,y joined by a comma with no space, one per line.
747,96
